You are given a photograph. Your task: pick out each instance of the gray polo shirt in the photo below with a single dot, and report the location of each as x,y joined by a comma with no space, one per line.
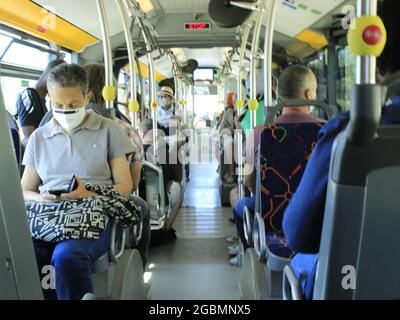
85,152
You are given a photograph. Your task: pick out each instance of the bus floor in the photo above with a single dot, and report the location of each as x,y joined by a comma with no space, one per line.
196,266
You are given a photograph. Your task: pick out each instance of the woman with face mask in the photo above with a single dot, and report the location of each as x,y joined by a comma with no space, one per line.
70,226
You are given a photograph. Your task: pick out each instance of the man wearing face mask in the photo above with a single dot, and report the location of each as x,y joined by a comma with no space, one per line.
167,116
70,226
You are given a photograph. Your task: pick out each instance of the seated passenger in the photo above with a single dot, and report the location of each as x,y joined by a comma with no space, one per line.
71,230
167,116
170,171
295,82
31,104
304,216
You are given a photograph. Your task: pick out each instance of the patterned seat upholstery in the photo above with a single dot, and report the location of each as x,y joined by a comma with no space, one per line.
284,152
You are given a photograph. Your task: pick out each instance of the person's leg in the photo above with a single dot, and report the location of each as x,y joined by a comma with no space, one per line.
234,197
44,251
238,217
73,260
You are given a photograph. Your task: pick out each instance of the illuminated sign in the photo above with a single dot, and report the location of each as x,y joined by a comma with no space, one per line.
197,26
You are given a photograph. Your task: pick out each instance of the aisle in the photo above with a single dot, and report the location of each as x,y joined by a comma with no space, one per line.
196,267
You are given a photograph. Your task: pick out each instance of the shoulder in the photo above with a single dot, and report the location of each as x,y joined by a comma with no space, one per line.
337,124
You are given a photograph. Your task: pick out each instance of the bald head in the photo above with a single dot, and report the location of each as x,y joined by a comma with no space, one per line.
298,82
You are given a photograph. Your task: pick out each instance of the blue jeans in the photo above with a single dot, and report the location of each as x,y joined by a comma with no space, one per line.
72,261
250,203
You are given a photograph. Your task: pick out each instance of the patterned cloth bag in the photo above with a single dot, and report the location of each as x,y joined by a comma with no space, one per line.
80,219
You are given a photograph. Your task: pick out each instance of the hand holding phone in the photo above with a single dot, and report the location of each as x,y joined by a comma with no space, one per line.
73,185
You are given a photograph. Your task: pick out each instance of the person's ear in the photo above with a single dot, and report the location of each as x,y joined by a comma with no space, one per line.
89,97
308,94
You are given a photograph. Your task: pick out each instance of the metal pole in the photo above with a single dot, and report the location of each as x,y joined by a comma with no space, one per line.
254,58
366,66
271,8
108,63
246,34
122,5
152,85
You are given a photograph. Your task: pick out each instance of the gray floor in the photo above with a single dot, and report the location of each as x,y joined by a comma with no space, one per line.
195,267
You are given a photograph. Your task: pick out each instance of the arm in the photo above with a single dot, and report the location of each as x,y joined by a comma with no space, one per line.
122,176
27,131
30,183
135,169
249,177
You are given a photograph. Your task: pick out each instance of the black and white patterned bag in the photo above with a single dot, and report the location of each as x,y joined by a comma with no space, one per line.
80,219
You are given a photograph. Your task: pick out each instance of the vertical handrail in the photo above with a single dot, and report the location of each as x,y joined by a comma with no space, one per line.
253,104
109,92
245,38
133,103
271,8
239,105
152,86
366,65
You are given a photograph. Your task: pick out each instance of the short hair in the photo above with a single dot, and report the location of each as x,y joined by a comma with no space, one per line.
68,76
388,62
293,81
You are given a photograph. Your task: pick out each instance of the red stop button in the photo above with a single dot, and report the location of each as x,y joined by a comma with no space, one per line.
372,35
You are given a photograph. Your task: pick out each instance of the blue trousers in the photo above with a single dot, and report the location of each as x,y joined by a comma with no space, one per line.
250,203
72,261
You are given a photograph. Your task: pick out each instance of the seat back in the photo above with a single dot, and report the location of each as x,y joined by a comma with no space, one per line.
284,152
19,276
16,139
360,231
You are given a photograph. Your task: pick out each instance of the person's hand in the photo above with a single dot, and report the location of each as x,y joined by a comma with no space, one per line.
47,198
79,193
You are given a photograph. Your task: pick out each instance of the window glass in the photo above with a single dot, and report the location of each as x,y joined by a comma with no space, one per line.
346,78
11,87
25,56
4,42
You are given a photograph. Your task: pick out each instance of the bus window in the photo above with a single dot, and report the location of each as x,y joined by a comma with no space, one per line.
11,87
347,76
21,55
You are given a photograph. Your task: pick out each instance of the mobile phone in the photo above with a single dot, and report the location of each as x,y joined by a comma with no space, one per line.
72,186
57,192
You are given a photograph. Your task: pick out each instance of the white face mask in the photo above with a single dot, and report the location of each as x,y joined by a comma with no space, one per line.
70,118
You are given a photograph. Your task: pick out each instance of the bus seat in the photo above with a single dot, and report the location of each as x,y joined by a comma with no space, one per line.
119,275
152,190
16,139
283,156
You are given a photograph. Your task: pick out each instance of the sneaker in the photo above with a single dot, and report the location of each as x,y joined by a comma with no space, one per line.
236,261
233,239
234,250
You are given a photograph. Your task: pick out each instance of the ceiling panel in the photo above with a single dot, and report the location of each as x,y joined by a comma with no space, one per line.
174,6
295,16
83,14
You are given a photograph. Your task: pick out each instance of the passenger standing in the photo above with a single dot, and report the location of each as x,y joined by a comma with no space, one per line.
31,104
167,116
